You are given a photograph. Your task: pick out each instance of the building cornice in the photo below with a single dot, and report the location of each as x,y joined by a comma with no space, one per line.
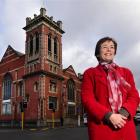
46,19
41,73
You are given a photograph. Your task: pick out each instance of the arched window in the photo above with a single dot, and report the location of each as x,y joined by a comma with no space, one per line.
31,46
7,87
37,43
70,90
52,102
6,107
71,110
53,86
49,47
55,46
49,43
55,49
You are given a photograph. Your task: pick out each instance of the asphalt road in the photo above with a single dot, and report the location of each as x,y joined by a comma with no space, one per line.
48,134
45,134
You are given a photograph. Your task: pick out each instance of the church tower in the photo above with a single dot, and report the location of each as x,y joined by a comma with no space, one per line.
43,65
43,42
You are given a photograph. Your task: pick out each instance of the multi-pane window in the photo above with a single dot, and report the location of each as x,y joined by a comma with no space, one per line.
71,110
53,86
70,90
52,102
7,86
37,43
31,46
55,69
6,108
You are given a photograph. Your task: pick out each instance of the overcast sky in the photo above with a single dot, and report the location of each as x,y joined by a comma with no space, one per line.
85,22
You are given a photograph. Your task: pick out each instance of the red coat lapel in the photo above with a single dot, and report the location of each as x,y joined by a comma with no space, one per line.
100,75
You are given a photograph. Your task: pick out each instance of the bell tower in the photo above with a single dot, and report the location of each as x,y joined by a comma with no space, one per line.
43,64
43,43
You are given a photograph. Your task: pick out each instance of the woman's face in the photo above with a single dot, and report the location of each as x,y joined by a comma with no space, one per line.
107,51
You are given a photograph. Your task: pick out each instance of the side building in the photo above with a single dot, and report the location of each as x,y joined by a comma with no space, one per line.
35,82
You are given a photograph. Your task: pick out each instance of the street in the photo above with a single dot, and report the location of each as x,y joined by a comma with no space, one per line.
42,134
78,133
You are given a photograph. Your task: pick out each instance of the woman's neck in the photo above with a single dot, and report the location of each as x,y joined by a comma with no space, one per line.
106,62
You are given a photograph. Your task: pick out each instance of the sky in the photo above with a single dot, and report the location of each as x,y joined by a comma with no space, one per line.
84,23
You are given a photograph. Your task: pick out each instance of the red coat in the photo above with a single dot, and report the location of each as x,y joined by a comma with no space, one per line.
95,101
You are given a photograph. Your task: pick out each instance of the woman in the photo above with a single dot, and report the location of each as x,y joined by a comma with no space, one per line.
109,96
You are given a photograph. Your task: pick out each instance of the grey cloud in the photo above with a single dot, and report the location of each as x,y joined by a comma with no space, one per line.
85,21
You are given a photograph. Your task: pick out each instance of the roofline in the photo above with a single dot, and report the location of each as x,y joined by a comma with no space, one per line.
43,18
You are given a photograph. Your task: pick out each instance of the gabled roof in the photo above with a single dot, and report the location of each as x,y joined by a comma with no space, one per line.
70,69
11,53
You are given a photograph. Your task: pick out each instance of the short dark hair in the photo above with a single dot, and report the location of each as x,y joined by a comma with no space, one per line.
100,42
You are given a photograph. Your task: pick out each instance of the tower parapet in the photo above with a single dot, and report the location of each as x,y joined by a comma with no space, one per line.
43,11
42,17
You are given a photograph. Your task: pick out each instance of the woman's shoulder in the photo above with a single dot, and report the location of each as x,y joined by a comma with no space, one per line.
90,70
125,70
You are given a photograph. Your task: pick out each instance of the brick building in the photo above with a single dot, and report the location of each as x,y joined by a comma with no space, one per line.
37,78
